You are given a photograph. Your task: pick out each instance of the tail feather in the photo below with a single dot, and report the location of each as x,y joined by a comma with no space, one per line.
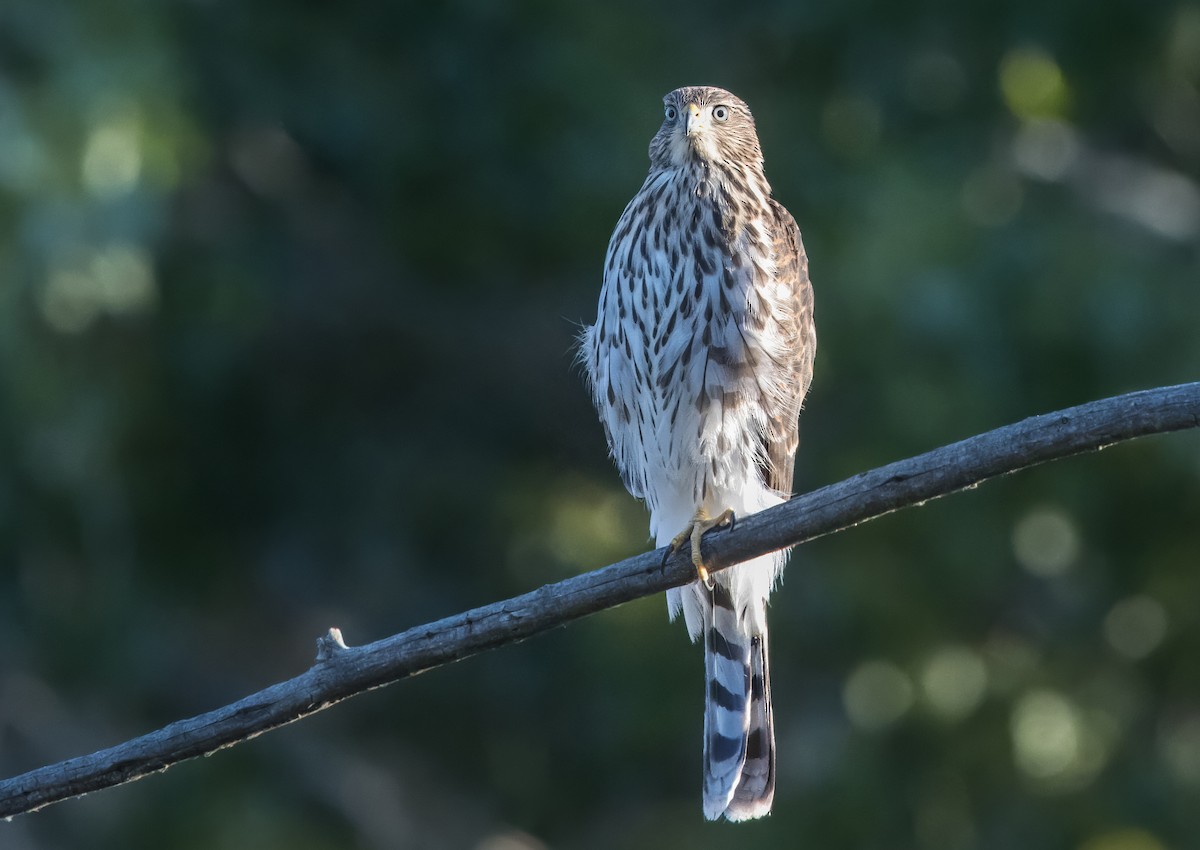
739,741
756,788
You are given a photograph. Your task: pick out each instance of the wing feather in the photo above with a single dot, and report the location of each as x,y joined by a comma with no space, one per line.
798,331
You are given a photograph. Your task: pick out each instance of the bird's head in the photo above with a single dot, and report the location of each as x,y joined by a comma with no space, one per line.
705,124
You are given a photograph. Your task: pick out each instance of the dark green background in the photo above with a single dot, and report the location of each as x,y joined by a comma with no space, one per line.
288,295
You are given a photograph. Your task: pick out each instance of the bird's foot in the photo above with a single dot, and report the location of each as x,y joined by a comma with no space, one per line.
693,533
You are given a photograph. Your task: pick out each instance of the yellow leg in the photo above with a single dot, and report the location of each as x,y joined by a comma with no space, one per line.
694,532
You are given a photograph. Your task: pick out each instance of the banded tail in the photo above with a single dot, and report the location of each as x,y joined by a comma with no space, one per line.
739,735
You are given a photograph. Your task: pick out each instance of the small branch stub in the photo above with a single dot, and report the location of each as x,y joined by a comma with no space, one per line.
330,644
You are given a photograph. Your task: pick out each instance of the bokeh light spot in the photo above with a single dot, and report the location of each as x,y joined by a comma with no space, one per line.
582,524
125,278
1055,744
1045,542
1165,202
68,301
1183,46
876,695
510,840
1179,746
118,279
1123,839
1136,626
1046,149
112,155
270,161
1045,730
1032,84
953,681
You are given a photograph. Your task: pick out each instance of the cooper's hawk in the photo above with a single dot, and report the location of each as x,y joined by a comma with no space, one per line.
699,360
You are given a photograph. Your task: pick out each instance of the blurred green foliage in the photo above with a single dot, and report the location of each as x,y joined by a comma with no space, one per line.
288,294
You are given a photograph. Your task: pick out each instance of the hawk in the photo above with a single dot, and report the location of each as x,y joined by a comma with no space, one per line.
698,363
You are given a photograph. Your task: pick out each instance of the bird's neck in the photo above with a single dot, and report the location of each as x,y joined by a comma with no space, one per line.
734,189
716,179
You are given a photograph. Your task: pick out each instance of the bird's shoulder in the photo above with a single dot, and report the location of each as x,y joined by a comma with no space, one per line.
790,258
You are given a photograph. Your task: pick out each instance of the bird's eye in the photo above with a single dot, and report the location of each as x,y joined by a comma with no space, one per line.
672,113
721,113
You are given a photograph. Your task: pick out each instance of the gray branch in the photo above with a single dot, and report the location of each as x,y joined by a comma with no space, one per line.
342,671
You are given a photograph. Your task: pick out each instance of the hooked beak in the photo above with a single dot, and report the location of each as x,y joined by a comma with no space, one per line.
694,124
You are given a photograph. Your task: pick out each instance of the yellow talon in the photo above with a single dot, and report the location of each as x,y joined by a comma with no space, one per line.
694,533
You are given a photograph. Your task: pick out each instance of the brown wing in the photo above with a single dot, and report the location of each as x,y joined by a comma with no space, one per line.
800,338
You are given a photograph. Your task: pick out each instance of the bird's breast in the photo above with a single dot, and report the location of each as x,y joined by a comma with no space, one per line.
685,296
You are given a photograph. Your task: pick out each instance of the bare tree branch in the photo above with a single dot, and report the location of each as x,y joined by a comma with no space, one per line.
342,671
